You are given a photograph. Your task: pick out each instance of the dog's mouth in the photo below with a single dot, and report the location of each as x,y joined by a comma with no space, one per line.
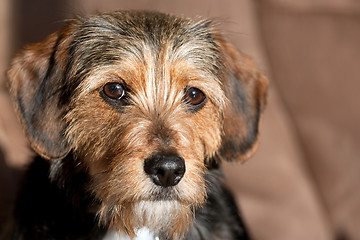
164,194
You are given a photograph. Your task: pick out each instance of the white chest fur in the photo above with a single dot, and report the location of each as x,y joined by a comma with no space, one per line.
141,234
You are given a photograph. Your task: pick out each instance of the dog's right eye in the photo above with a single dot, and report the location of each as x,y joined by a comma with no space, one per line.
114,90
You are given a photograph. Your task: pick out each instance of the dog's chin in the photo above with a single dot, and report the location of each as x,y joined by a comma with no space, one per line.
168,218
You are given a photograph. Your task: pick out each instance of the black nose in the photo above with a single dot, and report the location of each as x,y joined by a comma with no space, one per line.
165,169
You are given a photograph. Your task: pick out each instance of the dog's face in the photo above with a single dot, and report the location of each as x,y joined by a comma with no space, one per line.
144,101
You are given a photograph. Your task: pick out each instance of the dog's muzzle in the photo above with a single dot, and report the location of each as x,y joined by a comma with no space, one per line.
165,170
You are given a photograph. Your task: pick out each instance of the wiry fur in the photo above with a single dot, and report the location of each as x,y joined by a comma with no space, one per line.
157,57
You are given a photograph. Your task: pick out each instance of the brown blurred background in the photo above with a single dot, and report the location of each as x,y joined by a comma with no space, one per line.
304,181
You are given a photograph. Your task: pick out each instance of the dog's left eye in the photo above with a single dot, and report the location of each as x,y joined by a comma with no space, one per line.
194,96
114,90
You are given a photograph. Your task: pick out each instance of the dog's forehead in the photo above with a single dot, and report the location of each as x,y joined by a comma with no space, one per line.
135,38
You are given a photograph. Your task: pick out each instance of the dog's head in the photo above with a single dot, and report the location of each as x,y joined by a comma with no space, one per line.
144,101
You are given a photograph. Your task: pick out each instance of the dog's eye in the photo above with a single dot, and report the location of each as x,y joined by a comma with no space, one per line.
194,96
114,90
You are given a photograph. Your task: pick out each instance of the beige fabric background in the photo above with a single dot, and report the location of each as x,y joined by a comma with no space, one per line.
304,181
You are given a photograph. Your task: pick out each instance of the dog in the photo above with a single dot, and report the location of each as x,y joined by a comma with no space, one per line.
130,114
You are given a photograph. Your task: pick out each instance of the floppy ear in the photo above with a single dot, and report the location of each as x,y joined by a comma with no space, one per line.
245,87
35,81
